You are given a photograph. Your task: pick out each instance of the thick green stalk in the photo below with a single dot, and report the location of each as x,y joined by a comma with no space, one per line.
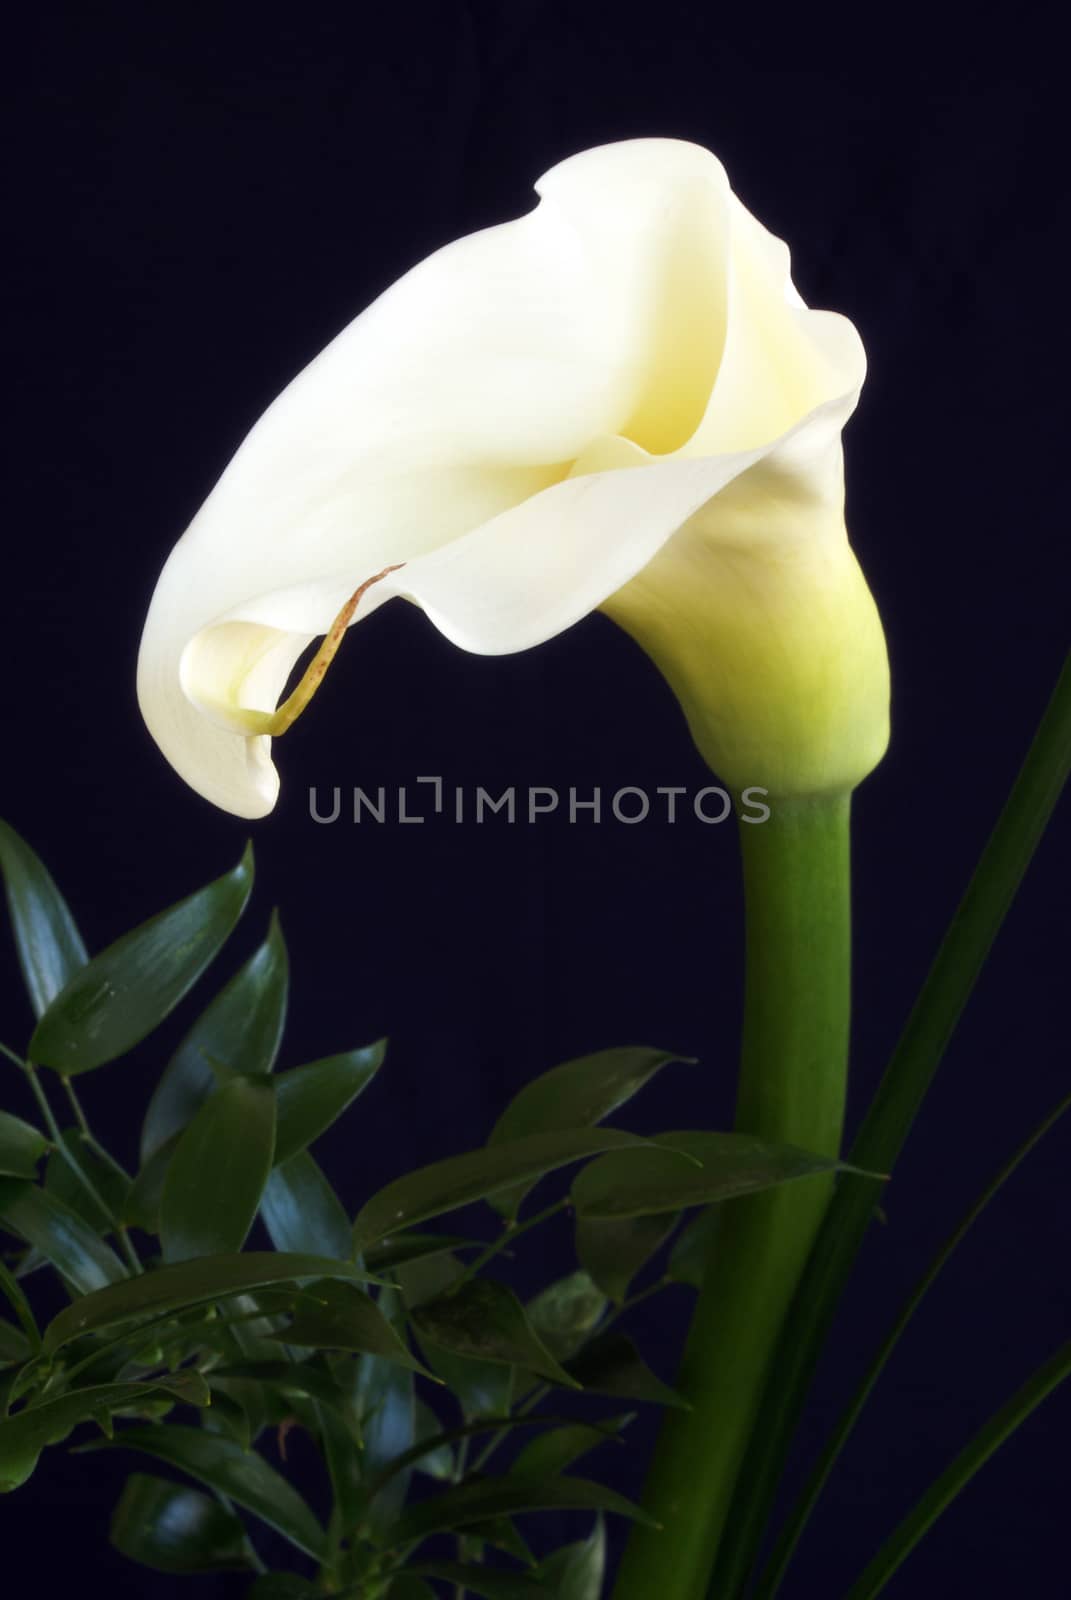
792,1084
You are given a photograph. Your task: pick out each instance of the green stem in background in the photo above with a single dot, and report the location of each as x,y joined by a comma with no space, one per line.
792,1087
929,1027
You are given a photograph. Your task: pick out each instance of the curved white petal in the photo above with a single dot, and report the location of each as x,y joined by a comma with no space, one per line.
477,424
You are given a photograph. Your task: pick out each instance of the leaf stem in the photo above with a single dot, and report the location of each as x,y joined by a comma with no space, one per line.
510,1232
792,1084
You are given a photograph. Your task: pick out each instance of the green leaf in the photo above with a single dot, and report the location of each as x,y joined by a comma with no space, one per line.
49,946
989,1438
485,1321
15,1347
21,1148
311,1098
691,1252
481,1388
797,1520
579,1571
291,1377
387,1403
142,1208
62,1237
614,1252
171,1528
565,1313
485,1582
242,1028
346,1319
24,1436
107,1177
427,1278
186,1284
612,1365
404,1248
552,1453
439,1461
446,1185
18,1302
482,1499
217,1174
110,1005
918,1054
576,1094
242,1475
723,1165
302,1212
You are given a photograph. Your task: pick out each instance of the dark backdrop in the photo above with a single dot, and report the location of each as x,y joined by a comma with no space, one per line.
199,203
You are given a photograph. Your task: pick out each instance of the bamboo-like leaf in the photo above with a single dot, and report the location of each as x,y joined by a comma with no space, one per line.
21,1148
484,1321
720,1166
47,940
907,1079
345,1318
242,1028
183,1285
242,1475
576,1094
109,1005
25,1435
171,1528
446,1185
578,1571
482,1499
217,1174
61,1236
311,1098
302,1212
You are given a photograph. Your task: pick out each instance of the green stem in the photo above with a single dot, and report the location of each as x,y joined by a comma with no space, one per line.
792,1084
75,1165
511,1231
907,1079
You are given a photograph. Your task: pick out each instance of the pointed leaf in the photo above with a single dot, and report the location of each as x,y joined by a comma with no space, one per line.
551,1453
690,1253
403,1248
241,1027
292,1377
614,1252
186,1284
481,1388
243,1476
21,1148
485,1321
218,1171
612,1365
107,1177
446,1185
143,1202
15,1347
171,1528
311,1098
576,1094
49,946
636,1183
388,1426
346,1319
481,1499
110,1005
302,1212
578,1572
566,1312
61,1236
24,1436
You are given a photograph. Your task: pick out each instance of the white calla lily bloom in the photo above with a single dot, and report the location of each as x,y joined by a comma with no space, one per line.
618,400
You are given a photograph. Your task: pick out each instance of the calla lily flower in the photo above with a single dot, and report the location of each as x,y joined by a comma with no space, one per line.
618,400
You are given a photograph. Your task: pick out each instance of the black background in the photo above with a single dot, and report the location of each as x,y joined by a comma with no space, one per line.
199,202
